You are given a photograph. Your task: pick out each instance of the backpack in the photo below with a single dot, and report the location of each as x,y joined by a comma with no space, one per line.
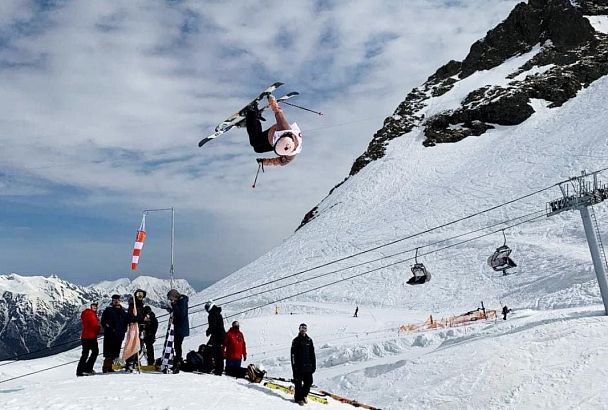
195,361
254,374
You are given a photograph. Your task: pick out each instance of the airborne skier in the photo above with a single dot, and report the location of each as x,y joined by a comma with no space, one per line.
282,138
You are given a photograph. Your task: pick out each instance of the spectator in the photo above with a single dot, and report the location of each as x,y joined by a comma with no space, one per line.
303,364
181,325
149,328
216,333
88,339
235,349
114,324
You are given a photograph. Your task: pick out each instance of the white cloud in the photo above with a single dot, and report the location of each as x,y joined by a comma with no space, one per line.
101,90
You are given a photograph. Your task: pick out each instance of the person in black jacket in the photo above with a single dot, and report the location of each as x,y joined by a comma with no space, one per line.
216,333
303,364
181,325
114,325
136,315
149,328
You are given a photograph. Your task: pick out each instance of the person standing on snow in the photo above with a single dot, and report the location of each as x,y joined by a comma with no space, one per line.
282,138
235,349
181,324
356,312
114,323
136,318
303,364
216,333
149,327
88,339
505,310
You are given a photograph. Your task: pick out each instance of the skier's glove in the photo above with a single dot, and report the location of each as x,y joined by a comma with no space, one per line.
260,160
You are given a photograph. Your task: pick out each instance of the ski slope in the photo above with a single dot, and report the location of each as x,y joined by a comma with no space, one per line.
535,359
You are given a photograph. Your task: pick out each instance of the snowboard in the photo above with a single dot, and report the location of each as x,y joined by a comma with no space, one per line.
290,390
237,119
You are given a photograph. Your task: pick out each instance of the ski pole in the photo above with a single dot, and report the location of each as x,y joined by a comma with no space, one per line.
302,108
256,174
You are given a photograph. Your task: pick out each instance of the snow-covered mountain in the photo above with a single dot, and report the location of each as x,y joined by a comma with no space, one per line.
41,315
156,289
523,110
37,312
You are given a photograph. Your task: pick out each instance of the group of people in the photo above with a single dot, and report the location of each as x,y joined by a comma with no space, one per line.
224,352
114,323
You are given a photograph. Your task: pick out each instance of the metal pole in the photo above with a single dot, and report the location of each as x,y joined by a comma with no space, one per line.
172,243
595,255
172,268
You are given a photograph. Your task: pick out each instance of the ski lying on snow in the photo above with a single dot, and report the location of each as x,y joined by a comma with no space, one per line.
352,402
290,390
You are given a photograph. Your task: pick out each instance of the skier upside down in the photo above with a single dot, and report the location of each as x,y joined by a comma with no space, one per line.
282,138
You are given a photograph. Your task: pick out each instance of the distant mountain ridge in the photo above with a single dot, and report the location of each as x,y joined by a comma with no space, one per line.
37,312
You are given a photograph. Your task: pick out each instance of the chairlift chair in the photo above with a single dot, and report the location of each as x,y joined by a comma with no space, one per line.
420,273
500,260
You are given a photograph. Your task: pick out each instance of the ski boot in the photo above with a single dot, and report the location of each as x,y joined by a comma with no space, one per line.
251,108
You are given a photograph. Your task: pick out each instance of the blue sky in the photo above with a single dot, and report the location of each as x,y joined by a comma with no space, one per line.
102,104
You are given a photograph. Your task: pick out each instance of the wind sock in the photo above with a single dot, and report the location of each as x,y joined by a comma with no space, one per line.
139,243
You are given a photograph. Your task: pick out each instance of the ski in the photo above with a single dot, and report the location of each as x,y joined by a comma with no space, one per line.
290,390
352,402
238,118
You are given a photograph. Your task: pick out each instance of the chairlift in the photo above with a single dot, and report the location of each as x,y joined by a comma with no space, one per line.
420,273
500,260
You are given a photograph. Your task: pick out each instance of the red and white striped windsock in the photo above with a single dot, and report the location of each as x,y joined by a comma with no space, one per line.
139,243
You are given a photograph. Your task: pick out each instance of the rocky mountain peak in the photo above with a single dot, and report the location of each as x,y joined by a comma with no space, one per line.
545,50
527,25
592,7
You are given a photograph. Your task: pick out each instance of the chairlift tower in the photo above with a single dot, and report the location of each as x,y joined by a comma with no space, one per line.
580,193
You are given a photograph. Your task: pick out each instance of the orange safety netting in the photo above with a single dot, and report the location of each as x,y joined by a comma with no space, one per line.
451,321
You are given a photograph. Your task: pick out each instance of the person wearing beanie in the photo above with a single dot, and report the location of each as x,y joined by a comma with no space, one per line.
235,350
88,339
114,322
303,364
216,333
181,324
282,138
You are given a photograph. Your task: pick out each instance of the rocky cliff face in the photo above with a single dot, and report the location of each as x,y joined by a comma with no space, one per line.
566,54
41,315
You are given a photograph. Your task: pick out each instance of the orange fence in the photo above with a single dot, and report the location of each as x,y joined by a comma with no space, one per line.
452,321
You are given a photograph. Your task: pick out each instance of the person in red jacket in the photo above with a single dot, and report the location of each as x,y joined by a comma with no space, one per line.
234,350
88,339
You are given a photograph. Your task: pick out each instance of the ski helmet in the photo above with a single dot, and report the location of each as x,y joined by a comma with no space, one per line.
286,145
209,305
